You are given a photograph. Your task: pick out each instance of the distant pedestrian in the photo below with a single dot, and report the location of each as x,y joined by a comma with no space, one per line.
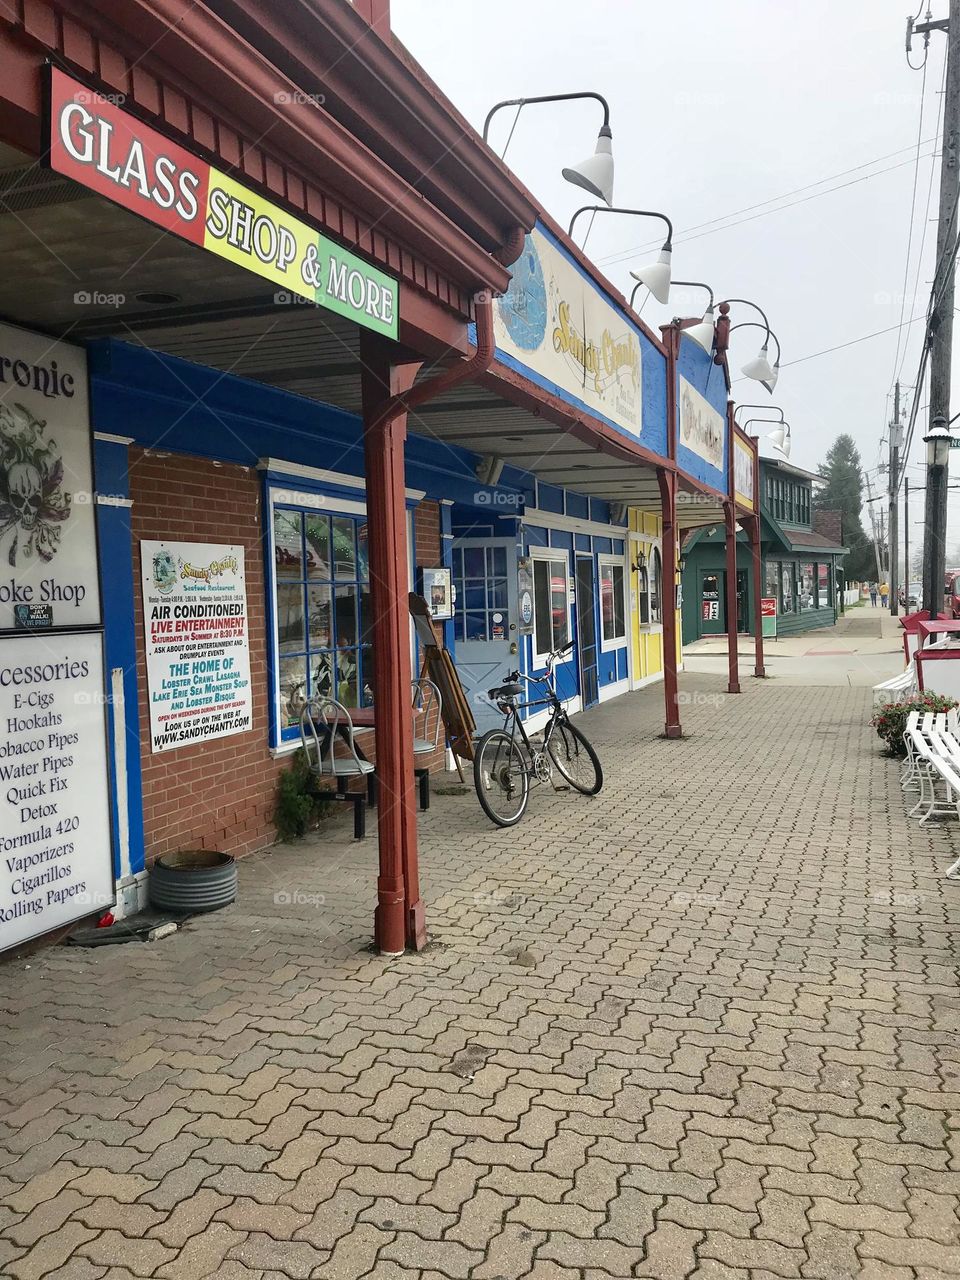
884,593
873,595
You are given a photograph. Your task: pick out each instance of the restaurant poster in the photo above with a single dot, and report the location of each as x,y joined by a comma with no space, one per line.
56,861
197,642
48,547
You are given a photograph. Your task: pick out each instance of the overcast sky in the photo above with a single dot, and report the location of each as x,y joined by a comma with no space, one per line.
716,108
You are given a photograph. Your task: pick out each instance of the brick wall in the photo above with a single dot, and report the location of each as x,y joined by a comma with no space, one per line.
217,794
828,523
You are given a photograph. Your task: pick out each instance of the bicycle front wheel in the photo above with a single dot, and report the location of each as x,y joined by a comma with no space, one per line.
500,776
576,759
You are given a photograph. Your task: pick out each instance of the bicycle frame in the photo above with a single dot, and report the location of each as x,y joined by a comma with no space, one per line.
512,713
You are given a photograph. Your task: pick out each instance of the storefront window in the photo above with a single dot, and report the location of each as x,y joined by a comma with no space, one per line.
322,610
656,587
551,616
808,588
823,586
612,613
786,588
771,580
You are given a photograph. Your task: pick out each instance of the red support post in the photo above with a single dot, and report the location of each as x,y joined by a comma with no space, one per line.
399,920
668,604
753,534
730,524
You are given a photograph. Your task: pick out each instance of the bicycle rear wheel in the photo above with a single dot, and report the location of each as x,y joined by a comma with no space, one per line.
576,759
500,776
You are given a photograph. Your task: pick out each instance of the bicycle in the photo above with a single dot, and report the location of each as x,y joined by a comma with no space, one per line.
503,767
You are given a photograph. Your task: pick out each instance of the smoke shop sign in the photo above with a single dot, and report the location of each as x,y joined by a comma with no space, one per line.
55,854
198,652
48,555
103,147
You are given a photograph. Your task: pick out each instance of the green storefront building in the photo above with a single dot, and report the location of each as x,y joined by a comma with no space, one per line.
802,554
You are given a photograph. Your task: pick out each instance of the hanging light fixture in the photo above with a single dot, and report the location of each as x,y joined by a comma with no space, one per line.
703,333
595,173
759,368
656,276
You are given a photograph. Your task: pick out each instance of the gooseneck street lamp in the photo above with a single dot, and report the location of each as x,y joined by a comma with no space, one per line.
759,368
935,515
656,275
595,174
704,332
779,436
765,408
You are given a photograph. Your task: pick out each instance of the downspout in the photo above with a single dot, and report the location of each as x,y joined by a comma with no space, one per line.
478,363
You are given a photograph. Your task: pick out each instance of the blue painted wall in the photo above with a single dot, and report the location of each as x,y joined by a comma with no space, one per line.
694,364
653,433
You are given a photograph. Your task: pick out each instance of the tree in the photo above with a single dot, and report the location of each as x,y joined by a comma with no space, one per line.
842,491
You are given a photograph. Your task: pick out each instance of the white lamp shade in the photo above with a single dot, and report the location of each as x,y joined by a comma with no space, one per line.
778,436
771,382
595,174
759,368
703,333
656,276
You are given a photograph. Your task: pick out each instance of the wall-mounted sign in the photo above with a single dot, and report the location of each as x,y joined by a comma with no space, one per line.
564,330
105,148
48,546
743,491
768,615
525,595
197,647
438,592
56,863
702,428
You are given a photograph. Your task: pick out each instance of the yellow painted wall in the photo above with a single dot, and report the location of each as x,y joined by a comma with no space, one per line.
647,645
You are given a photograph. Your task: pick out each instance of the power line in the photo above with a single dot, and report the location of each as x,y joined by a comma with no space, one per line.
626,253
814,355
926,218
913,214
935,298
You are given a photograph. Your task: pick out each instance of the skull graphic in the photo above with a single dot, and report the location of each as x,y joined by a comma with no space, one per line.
33,504
25,493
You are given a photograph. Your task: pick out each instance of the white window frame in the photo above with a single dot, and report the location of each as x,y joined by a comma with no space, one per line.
608,561
553,555
331,505
653,627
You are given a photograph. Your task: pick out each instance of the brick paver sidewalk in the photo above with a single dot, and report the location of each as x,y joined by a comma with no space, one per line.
704,1025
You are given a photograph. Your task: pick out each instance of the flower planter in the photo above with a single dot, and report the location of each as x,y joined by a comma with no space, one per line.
192,881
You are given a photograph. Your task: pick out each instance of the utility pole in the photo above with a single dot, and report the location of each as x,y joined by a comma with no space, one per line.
893,476
907,575
873,526
940,328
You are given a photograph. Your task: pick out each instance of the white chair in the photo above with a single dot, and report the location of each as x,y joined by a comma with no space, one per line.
427,723
909,778
936,793
328,737
902,685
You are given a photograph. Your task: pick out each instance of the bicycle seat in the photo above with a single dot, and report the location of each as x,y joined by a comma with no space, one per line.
505,691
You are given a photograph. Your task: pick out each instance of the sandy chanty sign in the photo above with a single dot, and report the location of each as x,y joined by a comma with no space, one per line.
197,644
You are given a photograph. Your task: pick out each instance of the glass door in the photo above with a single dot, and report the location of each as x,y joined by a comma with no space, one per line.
485,621
712,613
587,631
